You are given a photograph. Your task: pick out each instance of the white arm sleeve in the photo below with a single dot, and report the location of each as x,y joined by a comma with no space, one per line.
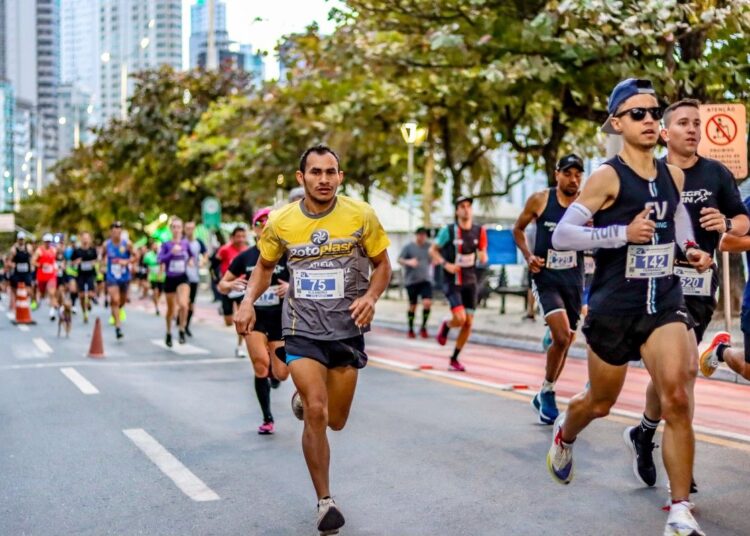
571,232
683,227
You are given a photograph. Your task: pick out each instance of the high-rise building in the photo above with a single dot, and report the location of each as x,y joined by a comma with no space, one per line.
75,118
29,44
7,107
79,51
199,21
135,35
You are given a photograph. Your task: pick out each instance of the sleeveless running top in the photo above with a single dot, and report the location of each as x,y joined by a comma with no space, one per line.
47,264
22,260
116,271
561,268
460,247
637,278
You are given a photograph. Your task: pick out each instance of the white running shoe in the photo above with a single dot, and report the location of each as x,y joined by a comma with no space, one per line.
560,455
240,351
330,518
681,522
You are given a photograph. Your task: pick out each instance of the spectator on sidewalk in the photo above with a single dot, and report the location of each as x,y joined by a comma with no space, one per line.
415,258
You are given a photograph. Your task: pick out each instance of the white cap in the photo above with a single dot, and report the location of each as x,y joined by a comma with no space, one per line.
21,235
47,237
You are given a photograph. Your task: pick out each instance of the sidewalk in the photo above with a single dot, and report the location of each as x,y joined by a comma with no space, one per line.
513,329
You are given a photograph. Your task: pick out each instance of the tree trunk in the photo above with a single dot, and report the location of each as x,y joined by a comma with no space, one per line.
550,149
428,185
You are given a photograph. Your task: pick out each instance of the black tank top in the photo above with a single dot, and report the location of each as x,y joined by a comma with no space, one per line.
22,257
464,242
616,289
554,272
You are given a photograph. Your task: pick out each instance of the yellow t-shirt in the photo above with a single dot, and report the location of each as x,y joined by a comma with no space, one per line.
328,259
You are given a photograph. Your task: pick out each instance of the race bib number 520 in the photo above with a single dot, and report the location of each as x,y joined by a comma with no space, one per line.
694,283
649,261
319,284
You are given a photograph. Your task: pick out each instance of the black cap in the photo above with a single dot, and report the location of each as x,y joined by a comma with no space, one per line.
115,225
422,230
569,161
461,198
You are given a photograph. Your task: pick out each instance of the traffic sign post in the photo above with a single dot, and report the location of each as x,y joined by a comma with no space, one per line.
211,213
724,136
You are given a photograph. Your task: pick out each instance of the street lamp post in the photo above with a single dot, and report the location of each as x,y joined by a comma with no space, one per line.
412,134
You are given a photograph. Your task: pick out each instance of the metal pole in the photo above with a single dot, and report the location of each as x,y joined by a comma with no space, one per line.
725,291
124,89
410,187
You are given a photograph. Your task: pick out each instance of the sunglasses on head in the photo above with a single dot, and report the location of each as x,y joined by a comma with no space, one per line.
639,113
260,223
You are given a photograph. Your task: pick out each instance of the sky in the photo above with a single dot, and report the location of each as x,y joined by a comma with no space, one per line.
277,18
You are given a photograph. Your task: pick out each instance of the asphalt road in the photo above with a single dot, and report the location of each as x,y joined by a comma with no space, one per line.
168,445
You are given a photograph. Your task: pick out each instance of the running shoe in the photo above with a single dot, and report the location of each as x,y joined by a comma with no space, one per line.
547,340
709,360
456,366
423,333
297,408
266,428
643,456
681,521
52,315
330,518
442,336
168,340
188,332
560,456
548,411
275,383
111,320
123,315
411,334
239,351
118,333
34,305
181,338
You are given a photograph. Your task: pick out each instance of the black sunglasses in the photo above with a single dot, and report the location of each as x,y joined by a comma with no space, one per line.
639,114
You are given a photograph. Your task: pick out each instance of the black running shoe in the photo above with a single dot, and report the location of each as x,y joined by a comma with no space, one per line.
643,456
182,337
275,383
188,332
168,340
118,333
693,486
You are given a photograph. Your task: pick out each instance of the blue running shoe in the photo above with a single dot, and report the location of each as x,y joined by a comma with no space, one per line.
560,455
547,340
535,404
548,411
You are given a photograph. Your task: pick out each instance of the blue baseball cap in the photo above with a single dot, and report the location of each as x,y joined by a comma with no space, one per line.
622,92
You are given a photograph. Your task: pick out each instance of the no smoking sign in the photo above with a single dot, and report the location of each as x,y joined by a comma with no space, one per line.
725,136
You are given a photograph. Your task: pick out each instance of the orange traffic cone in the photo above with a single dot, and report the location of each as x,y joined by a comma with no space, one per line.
96,350
23,309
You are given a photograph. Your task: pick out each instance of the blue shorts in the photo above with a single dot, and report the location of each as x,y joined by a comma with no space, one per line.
745,326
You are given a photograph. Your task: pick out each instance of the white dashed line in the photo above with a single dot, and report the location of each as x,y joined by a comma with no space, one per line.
189,484
79,381
42,345
23,327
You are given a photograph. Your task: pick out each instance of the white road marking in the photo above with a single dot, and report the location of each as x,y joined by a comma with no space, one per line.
79,381
42,345
23,327
189,484
27,351
180,349
11,316
98,363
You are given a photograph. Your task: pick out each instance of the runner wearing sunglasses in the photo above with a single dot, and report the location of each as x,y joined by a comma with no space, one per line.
713,201
636,308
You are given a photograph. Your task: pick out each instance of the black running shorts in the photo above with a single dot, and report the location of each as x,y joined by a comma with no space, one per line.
332,354
461,296
617,339
417,290
268,322
567,299
701,312
172,282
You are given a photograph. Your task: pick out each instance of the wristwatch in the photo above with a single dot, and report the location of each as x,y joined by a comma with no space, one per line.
728,223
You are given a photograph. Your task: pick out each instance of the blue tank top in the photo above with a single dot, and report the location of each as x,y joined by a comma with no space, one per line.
621,284
117,272
555,272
